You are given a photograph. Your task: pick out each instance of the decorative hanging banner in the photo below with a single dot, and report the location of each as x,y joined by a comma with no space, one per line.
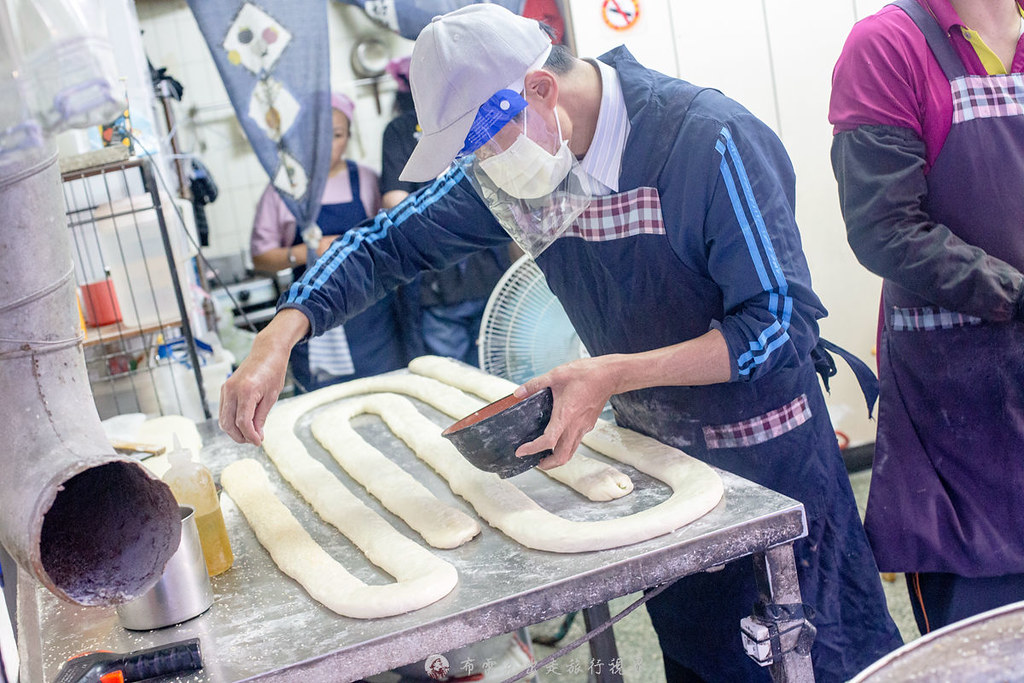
273,58
408,17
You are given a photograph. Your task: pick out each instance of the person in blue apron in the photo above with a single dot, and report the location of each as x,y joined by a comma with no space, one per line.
370,343
928,111
451,301
662,215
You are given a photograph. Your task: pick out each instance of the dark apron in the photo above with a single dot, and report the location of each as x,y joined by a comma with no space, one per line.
374,336
775,431
947,488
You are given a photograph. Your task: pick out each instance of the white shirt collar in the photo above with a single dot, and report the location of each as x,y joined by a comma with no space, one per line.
603,160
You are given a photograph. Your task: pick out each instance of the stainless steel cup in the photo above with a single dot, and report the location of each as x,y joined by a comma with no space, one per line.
183,591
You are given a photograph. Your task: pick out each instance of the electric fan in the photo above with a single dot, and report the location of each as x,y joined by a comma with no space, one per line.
525,331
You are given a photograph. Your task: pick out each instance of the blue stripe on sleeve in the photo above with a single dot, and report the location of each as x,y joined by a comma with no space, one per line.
755,211
332,259
743,203
741,218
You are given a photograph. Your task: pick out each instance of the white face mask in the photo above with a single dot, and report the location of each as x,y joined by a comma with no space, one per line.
526,170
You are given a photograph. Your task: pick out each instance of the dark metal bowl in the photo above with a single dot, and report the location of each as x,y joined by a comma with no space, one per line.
489,437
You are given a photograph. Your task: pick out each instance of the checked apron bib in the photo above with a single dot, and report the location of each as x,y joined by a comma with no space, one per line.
947,489
775,432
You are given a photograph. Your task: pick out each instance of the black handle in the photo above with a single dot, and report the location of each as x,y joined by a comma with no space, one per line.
163,660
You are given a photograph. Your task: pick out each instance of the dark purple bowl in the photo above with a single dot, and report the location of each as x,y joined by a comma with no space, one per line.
489,437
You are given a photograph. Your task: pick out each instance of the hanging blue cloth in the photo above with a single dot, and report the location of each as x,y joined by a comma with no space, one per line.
272,57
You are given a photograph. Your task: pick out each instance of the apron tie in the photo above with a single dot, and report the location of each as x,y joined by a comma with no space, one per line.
825,365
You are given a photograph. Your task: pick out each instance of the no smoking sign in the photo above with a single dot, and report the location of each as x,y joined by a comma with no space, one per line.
620,14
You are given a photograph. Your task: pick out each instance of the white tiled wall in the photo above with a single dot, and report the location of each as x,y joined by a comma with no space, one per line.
206,123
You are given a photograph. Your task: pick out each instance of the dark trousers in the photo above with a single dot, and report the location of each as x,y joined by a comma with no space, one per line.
677,673
939,599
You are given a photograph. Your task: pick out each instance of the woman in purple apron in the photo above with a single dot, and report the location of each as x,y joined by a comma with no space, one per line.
929,155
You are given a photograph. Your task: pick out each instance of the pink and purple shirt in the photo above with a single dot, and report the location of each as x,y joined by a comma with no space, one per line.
274,224
887,76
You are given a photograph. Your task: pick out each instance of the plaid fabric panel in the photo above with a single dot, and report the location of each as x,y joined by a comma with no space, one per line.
929,318
982,97
761,428
615,216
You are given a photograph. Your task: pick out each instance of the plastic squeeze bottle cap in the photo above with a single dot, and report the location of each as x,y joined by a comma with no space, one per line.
178,456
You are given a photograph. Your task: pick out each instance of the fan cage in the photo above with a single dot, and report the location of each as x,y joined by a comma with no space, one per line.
525,331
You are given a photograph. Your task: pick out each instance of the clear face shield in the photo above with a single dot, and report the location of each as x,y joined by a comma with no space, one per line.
525,172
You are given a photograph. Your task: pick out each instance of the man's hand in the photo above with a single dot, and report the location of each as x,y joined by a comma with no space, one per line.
252,389
580,390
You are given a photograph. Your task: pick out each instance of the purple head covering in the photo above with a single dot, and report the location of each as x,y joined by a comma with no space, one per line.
399,70
344,104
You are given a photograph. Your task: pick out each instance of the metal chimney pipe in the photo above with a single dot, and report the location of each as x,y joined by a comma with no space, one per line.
94,527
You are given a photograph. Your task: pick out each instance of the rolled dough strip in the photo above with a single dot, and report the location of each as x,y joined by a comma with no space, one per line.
696,488
486,386
595,480
421,577
289,454
441,525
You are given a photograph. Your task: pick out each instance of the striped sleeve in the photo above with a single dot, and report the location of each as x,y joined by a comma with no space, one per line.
392,248
755,256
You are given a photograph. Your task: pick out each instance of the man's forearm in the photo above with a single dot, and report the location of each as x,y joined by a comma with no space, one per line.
880,172
699,361
284,331
251,390
582,387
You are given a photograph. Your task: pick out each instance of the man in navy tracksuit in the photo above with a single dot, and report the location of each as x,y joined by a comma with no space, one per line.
682,272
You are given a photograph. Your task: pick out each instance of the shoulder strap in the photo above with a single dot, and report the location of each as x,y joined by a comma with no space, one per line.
654,111
353,179
937,39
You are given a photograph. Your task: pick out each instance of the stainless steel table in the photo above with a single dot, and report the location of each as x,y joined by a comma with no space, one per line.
263,626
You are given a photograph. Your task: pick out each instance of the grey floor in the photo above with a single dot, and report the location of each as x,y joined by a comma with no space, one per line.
640,658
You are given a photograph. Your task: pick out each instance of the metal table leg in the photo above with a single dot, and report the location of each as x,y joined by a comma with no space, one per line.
777,583
603,651
526,642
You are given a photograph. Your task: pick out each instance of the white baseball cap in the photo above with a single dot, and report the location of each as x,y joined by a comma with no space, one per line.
460,60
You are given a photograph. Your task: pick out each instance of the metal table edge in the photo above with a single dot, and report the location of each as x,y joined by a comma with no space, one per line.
647,570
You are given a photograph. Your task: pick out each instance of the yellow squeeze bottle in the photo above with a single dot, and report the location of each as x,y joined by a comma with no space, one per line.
192,484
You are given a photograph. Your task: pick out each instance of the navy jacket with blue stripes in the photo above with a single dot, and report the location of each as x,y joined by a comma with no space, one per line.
730,258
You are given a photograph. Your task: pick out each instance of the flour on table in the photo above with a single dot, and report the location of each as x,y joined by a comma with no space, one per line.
696,487
289,454
422,578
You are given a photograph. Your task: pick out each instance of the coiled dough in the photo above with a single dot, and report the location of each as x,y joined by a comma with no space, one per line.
421,577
